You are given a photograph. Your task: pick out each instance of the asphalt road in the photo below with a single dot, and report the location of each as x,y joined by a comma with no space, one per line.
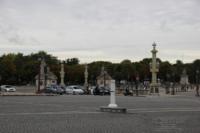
80,114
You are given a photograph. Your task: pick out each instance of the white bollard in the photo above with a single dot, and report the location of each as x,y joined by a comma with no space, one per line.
112,95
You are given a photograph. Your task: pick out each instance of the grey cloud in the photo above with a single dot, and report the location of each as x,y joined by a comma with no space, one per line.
16,40
12,35
114,27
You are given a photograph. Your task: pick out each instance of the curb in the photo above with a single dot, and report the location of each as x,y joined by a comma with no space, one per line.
28,95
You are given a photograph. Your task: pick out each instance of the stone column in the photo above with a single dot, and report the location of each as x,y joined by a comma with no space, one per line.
112,95
62,75
154,70
197,82
42,65
86,78
0,80
42,74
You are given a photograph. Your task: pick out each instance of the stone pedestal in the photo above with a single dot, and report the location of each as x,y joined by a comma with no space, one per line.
112,95
113,110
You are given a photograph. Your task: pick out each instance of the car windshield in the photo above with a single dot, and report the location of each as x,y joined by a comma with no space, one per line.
75,87
8,86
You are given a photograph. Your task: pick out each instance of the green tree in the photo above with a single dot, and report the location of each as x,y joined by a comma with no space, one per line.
165,70
72,61
8,69
127,70
75,74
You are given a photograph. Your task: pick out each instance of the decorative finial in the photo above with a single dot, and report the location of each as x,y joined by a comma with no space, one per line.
154,44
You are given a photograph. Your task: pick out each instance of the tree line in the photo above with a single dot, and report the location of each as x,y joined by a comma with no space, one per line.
19,69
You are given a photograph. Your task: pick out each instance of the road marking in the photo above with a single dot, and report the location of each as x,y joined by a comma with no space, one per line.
139,110
163,125
163,110
50,113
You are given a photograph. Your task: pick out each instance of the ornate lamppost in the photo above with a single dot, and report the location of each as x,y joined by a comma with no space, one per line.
104,76
39,75
86,78
154,68
197,82
137,84
167,83
42,73
0,87
173,84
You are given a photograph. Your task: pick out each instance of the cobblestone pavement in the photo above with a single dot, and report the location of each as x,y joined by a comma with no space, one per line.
80,114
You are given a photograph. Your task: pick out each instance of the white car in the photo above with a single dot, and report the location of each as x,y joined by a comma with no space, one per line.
8,88
74,89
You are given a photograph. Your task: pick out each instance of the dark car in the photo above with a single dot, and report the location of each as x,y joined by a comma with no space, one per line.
128,92
54,89
101,91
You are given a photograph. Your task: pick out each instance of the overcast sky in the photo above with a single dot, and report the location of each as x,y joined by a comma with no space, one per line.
110,30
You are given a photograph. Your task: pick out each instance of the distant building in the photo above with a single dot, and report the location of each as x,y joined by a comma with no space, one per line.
104,79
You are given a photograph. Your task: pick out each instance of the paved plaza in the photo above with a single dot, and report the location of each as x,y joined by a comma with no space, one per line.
80,114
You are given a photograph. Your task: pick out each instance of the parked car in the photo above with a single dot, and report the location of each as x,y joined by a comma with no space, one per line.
101,91
8,88
74,89
55,89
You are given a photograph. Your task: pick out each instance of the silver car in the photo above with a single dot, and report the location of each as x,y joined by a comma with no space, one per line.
74,89
8,88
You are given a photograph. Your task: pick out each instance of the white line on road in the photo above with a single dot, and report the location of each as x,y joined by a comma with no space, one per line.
50,113
139,110
162,110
